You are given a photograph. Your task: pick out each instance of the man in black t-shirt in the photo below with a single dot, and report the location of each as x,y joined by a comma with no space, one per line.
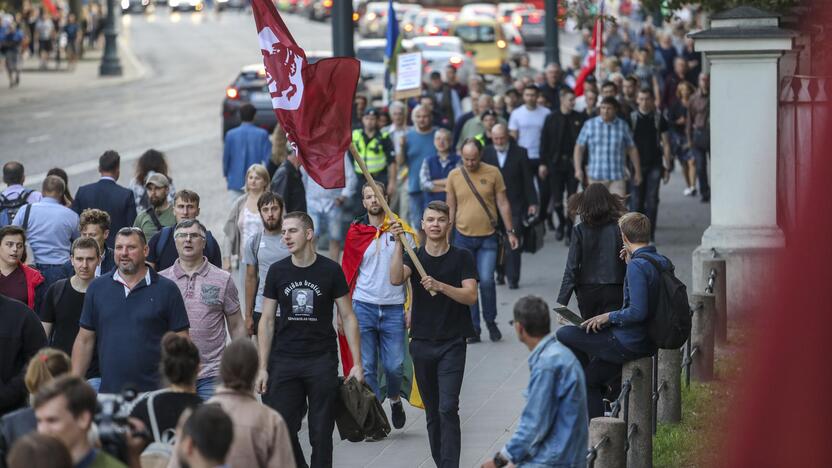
299,353
439,326
651,137
61,308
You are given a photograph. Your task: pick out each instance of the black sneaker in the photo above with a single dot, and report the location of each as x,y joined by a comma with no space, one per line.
397,410
494,332
473,339
559,233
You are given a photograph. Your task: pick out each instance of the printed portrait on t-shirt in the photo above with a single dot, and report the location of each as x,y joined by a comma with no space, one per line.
303,302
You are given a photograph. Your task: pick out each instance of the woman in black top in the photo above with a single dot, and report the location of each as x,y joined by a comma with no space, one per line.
179,366
594,270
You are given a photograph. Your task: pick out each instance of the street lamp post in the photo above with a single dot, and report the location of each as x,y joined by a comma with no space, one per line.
110,64
551,47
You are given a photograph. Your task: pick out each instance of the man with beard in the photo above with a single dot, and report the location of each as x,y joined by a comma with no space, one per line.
124,318
160,214
262,250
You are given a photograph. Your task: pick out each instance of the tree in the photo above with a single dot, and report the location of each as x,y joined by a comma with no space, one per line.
667,7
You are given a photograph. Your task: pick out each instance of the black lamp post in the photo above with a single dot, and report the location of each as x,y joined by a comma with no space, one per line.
110,64
551,47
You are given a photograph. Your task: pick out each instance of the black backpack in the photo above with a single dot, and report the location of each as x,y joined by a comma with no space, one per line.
10,206
669,325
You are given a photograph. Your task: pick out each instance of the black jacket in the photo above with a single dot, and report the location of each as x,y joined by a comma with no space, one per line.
593,259
288,183
21,336
517,175
107,195
553,134
14,426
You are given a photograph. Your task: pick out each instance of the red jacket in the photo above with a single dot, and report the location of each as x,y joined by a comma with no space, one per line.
33,280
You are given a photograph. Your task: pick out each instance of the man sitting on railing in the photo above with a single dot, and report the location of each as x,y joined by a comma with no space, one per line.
553,428
606,342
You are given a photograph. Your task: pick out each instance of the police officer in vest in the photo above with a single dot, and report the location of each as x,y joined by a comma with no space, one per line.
488,119
378,152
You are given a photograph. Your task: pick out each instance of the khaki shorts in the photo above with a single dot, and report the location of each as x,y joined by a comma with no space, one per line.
618,187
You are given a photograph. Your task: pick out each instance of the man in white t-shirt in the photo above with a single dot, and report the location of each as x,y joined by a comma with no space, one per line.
525,126
377,303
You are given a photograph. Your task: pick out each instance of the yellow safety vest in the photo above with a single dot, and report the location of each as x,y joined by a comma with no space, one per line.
372,152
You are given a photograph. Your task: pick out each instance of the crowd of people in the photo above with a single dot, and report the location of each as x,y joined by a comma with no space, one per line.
116,287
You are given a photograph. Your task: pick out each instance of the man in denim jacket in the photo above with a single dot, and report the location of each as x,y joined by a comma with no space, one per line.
606,342
553,428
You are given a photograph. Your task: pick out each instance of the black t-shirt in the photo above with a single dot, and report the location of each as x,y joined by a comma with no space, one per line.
440,317
303,327
164,256
647,139
168,406
64,319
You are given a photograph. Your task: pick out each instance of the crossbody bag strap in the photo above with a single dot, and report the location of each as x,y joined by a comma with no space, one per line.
154,218
151,413
479,198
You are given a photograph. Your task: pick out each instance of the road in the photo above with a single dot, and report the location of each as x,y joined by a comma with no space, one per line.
189,59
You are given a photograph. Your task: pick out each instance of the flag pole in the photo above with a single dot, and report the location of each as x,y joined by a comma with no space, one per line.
383,201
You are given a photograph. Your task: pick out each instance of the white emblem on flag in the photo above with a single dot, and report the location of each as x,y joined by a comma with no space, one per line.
277,57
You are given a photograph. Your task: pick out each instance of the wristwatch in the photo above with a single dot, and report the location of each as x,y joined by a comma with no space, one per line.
512,231
499,460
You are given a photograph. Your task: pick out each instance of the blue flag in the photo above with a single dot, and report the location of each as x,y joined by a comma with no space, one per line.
393,39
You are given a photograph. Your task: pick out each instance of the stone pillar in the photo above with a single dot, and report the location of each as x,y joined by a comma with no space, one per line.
611,452
743,47
639,413
670,386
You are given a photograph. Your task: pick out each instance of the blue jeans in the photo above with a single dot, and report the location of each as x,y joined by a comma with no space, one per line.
484,249
53,273
205,387
415,208
95,383
644,198
382,332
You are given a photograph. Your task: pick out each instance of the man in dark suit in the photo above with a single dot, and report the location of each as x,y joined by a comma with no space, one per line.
514,165
557,144
107,195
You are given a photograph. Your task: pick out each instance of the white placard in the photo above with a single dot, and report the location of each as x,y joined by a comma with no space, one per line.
409,72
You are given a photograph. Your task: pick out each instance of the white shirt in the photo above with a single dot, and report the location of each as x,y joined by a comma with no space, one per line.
117,277
529,125
373,283
501,157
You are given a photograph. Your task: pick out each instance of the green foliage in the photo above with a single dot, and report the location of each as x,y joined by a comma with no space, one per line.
669,6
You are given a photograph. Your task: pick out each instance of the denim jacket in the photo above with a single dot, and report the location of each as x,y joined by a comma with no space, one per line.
553,429
641,287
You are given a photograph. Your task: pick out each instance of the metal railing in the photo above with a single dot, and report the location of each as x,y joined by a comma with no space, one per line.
592,453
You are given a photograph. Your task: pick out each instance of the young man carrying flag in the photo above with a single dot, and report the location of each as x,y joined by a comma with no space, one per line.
378,305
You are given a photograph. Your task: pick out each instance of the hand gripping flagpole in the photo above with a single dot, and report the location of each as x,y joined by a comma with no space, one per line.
388,211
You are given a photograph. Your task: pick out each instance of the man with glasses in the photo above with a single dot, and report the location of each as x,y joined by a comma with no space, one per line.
211,301
124,317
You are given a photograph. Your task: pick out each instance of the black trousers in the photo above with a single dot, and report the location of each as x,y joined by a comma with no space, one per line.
513,258
597,299
562,181
439,367
544,192
297,384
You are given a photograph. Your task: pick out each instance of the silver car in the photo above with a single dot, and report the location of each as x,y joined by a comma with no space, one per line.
441,51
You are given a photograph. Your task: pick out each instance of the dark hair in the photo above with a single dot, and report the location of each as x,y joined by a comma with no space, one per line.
80,397
12,230
94,216
36,450
303,217
53,185
632,78
57,171
180,359
566,90
247,112
440,206
380,185
635,227
85,243
513,91
531,87
128,231
608,84
109,161
532,313
13,173
267,198
647,91
211,430
239,365
596,205
186,223
186,196
611,101
151,160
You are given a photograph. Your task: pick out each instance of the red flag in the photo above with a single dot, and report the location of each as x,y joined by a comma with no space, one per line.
313,103
592,57
53,10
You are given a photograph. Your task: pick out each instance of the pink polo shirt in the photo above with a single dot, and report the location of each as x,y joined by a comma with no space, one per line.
210,296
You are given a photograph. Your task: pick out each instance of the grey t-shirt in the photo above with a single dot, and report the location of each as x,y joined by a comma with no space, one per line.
270,250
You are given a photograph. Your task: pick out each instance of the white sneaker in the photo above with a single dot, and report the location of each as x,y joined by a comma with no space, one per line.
687,191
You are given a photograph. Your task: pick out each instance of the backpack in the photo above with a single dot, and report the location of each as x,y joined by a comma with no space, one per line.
9,207
164,236
161,448
669,325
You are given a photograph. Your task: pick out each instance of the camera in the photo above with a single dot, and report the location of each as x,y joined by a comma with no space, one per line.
111,418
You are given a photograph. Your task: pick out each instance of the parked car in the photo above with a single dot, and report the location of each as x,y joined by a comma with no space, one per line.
531,26
439,52
134,6
485,39
231,4
186,5
435,23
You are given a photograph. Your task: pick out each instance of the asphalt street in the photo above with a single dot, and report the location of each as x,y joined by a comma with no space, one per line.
189,59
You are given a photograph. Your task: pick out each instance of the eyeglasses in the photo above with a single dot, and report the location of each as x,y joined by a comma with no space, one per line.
188,235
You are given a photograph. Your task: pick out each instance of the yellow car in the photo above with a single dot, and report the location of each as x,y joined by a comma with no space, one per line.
485,40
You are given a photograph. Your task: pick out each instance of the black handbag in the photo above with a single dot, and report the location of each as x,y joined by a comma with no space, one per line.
501,237
533,235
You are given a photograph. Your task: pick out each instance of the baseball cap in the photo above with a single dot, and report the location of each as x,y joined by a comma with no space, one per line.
371,111
488,112
157,179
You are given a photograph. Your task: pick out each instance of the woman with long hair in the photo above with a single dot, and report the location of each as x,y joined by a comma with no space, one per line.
67,197
677,115
151,162
244,219
44,366
594,271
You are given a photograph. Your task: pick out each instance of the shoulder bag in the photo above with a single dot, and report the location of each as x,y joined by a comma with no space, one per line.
501,237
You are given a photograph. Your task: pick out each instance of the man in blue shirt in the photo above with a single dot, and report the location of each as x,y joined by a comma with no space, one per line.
125,315
553,428
15,196
244,146
50,228
417,145
607,341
